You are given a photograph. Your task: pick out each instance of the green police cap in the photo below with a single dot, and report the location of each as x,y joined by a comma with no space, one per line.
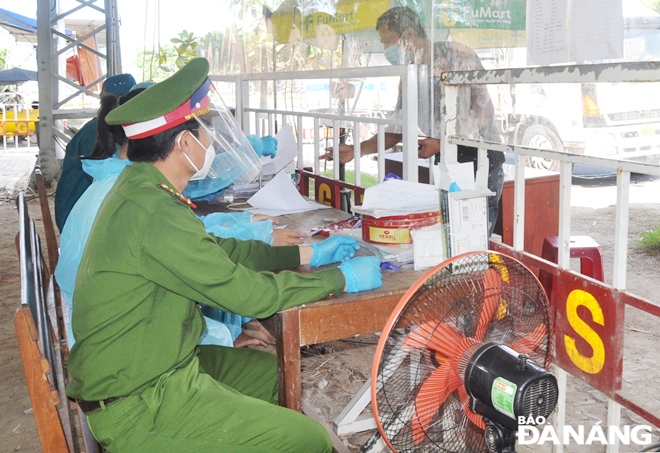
164,105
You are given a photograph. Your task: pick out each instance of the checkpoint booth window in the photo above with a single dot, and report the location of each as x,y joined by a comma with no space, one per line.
571,117
605,120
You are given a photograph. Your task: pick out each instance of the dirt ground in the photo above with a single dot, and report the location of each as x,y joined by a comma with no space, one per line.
333,372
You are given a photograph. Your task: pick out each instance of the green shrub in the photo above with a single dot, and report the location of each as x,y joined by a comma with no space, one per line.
651,241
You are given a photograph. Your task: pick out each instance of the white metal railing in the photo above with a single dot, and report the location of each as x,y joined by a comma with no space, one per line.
18,126
616,72
250,118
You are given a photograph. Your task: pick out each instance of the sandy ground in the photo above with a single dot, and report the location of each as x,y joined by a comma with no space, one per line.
334,372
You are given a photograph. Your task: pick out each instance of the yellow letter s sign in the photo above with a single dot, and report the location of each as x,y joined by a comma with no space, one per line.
595,363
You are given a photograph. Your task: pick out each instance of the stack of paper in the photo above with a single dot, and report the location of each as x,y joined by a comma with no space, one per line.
280,196
396,197
287,150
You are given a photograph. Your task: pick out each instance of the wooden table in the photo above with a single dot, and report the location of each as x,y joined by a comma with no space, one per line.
334,318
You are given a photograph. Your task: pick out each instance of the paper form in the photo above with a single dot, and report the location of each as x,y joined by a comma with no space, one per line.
563,31
595,30
287,150
547,32
279,196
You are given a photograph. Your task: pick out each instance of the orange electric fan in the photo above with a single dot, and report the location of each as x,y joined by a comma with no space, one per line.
462,356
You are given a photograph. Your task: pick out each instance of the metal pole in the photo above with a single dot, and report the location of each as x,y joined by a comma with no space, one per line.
345,194
112,38
46,66
51,61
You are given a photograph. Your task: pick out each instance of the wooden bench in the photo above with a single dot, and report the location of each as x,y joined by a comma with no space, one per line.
61,425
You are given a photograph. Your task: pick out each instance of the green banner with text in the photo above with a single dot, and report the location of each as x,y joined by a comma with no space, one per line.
477,23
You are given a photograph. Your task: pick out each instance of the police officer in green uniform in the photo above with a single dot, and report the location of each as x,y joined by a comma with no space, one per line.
137,371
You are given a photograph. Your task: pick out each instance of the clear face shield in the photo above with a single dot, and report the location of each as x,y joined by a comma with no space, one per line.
235,160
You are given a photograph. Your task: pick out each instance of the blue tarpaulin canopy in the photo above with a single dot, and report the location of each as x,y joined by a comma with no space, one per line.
17,21
22,27
16,75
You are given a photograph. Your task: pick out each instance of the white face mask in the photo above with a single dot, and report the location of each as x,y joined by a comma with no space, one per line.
200,173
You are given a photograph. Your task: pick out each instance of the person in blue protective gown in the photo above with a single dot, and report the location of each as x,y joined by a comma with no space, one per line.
73,181
239,225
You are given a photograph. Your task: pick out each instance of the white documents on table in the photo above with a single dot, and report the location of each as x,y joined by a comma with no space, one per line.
396,197
287,150
279,197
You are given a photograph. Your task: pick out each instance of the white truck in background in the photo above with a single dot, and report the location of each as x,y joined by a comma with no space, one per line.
613,120
618,121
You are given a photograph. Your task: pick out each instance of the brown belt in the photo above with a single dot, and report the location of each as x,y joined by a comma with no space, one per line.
89,406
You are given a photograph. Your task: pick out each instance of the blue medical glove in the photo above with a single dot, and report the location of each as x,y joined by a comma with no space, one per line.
270,145
362,274
263,146
257,144
333,250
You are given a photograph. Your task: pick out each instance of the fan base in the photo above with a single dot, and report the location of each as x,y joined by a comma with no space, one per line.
499,439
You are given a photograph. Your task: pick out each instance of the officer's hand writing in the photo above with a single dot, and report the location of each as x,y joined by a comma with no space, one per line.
333,250
287,237
345,153
428,147
362,274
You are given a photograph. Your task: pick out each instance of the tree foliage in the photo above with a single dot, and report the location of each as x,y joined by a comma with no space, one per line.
246,46
156,66
653,4
185,47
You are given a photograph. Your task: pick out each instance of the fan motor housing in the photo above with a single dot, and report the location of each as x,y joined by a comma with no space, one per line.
504,385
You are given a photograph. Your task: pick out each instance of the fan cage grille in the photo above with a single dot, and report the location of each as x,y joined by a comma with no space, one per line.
452,298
